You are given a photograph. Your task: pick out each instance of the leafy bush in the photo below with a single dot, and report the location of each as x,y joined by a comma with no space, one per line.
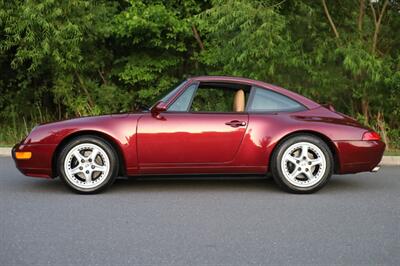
62,59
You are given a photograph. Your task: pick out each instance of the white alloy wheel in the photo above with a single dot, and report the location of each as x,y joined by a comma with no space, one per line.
303,164
86,165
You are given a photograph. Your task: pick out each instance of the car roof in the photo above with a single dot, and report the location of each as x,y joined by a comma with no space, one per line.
231,79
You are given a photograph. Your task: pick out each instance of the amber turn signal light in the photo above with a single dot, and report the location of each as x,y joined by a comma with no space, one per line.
371,135
23,155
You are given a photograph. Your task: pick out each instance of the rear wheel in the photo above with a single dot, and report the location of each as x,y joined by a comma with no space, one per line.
302,164
88,164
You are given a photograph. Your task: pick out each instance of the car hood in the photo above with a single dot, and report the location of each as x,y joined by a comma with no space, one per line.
87,118
48,133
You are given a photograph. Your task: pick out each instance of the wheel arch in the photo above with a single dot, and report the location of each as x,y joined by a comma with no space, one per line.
323,137
102,135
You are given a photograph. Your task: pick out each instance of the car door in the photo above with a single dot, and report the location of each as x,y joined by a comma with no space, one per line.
184,138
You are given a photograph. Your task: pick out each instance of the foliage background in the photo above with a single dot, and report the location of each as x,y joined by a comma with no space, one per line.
61,59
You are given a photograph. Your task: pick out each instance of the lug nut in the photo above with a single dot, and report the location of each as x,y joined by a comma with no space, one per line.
80,168
92,166
82,161
309,163
87,172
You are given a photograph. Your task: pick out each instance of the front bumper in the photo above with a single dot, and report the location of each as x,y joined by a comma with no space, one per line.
359,156
40,165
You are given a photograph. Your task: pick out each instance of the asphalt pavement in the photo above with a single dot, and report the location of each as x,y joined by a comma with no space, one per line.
199,221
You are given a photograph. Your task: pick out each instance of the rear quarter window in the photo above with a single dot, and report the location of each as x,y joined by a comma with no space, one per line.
263,100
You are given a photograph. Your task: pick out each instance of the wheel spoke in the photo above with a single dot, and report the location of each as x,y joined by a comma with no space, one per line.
99,168
94,154
78,156
308,174
88,176
75,170
304,151
316,161
291,159
295,173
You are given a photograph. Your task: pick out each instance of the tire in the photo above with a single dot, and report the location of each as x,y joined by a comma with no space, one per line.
88,164
302,164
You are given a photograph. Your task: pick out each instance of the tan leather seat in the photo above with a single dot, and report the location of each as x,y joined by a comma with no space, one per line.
239,101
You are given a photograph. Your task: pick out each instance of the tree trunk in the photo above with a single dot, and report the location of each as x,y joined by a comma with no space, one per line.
378,22
330,19
365,110
197,37
361,15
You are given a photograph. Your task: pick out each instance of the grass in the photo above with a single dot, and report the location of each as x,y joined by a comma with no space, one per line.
392,153
9,135
6,145
17,128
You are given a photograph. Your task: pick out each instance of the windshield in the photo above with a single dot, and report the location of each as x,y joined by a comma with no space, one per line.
169,94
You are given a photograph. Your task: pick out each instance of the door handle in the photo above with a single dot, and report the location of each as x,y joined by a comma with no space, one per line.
236,123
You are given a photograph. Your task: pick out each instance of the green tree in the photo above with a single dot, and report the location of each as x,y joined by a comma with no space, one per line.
61,59
156,46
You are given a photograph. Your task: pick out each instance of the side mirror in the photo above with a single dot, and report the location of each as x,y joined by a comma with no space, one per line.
158,108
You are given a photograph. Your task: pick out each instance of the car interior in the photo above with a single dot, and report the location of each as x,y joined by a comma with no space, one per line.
239,101
220,97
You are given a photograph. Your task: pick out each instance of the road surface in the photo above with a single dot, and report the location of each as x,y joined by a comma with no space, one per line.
229,221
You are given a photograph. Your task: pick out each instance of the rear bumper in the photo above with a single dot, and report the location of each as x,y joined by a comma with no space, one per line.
359,156
376,169
40,164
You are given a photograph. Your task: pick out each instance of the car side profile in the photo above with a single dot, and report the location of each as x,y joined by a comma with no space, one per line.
206,125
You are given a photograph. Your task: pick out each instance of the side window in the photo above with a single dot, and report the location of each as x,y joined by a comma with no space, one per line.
182,103
268,101
213,100
220,98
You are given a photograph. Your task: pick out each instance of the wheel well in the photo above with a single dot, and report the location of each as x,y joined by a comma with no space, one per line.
324,138
105,137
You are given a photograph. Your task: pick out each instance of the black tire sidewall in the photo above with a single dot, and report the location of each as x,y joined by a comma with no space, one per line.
278,175
93,140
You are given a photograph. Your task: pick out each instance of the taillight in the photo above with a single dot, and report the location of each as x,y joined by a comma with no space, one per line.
371,135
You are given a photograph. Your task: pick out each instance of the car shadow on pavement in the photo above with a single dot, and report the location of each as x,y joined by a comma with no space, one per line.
161,184
194,184
337,184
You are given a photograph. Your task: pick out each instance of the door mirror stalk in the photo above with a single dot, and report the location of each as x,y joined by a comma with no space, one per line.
158,108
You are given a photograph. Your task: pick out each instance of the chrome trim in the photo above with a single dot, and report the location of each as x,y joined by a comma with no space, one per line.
376,169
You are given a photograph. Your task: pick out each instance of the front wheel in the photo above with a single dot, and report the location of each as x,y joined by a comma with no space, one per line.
88,164
302,164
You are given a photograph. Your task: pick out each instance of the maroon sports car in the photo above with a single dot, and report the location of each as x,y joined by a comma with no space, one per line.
206,125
